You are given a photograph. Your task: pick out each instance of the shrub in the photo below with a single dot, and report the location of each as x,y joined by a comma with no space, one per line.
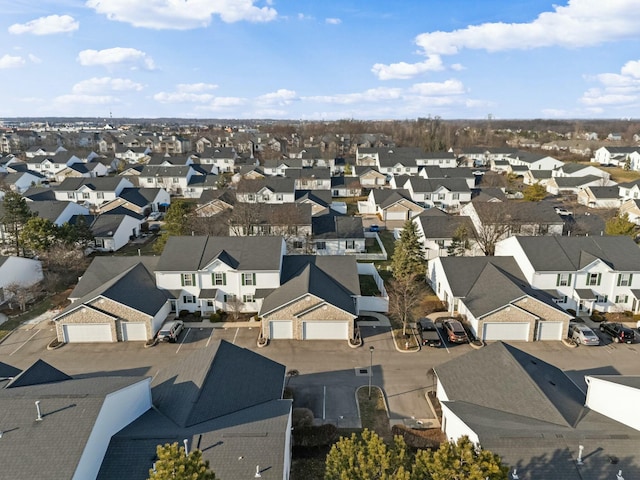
431,306
214,317
597,317
315,436
301,417
419,439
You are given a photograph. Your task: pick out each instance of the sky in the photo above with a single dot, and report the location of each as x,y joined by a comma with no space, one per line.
320,59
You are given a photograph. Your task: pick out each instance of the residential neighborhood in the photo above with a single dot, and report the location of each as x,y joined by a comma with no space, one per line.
245,290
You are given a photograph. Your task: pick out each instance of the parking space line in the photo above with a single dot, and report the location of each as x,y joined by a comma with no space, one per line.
24,343
210,337
235,336
183,339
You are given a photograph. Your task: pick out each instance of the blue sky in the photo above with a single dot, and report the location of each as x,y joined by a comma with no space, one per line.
320,60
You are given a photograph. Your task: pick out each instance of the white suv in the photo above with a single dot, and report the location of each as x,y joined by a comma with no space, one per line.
170,331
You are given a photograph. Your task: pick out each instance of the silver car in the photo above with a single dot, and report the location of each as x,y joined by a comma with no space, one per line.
583,335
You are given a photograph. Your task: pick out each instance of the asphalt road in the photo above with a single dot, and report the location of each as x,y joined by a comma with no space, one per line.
328,372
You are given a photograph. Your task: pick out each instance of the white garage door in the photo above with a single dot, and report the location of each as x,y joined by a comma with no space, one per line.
549,331
505,331
281,329
397,215
325,330
78,333
132,332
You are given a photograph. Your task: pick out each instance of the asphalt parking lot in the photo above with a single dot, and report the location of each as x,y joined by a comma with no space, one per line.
328,372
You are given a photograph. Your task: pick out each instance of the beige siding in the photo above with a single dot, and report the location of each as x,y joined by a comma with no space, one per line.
85,315
312,309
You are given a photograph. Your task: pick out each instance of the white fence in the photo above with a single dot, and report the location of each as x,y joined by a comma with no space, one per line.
373,304
373,256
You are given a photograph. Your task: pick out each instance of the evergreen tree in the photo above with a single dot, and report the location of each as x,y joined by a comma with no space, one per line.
174,464
620,225
367,457
14,213
535,193
39,234
459,242
176,223
408,255
458,460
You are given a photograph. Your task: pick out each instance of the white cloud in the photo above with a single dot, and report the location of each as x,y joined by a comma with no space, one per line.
580,23
279,97
34,59
458,67
615,88
430,89
302,16
118,56
46,25
403,70
195,87
368,96
183,14
182,97
101,84
10,61
333,21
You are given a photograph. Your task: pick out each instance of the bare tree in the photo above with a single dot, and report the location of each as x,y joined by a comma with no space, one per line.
20,294
243,218
494,224
234,306
404,293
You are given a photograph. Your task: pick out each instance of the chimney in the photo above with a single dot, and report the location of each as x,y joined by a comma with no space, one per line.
39,411
257,475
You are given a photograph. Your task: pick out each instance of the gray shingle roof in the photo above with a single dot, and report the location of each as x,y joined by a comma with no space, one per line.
190,254
337,226
216,381
443,226
569,254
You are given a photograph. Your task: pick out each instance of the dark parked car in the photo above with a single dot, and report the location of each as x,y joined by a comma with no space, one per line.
619,333
455,331
428,332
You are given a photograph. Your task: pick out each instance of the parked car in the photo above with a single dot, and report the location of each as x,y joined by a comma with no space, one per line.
619,333
428,332
374,228
154,228
582,334
170,331
563,211
455,331
155,216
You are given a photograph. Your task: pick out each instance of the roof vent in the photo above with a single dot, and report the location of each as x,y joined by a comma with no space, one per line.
257,475
39,419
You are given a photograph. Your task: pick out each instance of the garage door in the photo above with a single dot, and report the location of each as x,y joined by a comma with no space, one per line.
549,331
132,332
79,333
281,329
397,215
325,330
505,331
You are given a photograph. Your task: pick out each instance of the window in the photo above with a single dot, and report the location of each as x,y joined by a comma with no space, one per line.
601,298
248,279
100,195
593,279
455,196
86,195
70,195
321,246
622,298
188,279
297,244
562,299
251,197
219,278
188,299
228,298
350,244
175,180
248,298
209,303
279,197
624,280
563,280
441,196
149,180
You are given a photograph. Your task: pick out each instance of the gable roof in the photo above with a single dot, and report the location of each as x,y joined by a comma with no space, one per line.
310,280
337,226
441,225
569,254
216,381
193,253
38,373
535,390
